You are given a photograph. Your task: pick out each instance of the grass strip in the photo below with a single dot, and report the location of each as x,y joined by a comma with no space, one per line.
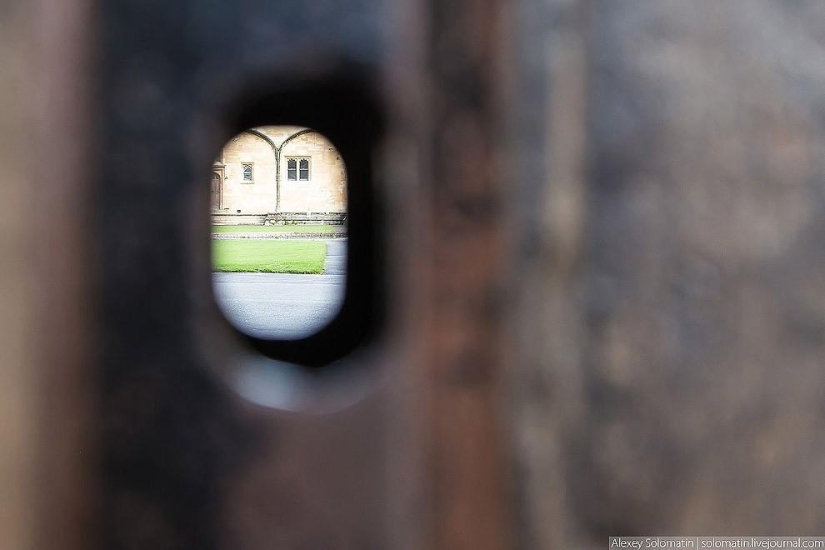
268,256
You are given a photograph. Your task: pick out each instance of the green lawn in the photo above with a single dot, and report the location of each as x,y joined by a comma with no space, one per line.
269,256
275,228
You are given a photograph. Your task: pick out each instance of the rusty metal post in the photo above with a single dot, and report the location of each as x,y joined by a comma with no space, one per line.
452,97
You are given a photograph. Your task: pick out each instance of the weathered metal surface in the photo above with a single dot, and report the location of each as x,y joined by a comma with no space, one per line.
672,327
460,265
186,462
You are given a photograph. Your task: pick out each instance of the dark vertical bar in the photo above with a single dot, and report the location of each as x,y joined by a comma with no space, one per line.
463,270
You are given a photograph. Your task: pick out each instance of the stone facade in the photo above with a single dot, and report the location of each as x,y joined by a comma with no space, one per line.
278,173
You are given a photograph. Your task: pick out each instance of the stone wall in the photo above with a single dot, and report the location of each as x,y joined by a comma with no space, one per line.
325,191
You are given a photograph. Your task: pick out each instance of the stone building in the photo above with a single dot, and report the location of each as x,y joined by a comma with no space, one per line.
279,174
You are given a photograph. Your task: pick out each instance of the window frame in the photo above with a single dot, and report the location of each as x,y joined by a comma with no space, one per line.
298,169
251,166
291,160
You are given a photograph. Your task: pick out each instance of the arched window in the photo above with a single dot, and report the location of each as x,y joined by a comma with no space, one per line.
297,169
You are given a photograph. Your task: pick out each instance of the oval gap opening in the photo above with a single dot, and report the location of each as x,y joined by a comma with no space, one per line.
279,206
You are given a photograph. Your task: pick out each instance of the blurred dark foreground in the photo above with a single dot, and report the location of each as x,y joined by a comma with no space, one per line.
587,278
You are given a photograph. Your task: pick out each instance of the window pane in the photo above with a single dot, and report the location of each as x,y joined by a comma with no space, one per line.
247,172
304,170
292,173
